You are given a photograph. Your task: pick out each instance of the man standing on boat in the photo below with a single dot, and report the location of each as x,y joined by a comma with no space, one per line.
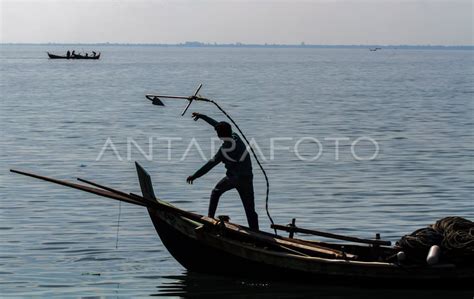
233,153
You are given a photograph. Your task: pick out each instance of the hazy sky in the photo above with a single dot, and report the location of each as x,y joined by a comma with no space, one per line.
440,22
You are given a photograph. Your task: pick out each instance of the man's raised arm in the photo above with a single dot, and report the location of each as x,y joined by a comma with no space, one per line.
206,118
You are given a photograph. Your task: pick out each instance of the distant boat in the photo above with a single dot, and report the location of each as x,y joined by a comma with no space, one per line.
75,56
374,49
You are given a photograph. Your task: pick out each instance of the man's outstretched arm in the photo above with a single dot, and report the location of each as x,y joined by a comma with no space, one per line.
206,118
205,169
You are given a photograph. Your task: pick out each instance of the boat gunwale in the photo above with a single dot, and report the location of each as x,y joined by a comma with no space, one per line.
306,258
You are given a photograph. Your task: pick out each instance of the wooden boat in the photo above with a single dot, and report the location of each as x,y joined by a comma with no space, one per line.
75,56
216,246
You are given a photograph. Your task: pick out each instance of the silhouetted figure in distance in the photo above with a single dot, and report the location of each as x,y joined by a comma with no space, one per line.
233,153
68,54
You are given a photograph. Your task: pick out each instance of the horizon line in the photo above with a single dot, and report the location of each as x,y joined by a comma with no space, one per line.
239,44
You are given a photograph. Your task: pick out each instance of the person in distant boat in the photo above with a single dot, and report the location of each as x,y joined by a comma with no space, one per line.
87,54
233,153
73,53
68,54
94,53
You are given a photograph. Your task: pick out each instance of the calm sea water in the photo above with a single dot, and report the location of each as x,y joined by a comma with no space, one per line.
56,116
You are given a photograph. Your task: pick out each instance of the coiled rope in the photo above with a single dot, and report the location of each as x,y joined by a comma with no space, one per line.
454,235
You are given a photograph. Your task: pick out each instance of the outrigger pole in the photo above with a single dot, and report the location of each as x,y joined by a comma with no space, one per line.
156,100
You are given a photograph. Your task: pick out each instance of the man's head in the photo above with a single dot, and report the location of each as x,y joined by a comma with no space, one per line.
223,129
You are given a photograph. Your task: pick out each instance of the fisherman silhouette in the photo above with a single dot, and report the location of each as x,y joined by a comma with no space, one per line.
233,153
68,54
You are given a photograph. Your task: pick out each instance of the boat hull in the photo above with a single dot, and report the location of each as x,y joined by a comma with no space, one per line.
205,245
53,56
204,252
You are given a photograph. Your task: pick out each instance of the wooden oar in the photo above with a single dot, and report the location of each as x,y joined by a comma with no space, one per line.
233,228
84,188
329,235
281,241
122,196
103,187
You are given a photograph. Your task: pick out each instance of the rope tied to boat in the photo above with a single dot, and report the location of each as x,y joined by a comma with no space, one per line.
118,224
454,235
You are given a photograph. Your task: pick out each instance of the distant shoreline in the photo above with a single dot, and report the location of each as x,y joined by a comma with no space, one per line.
242,45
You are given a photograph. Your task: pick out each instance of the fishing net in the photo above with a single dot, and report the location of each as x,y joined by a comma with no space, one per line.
454,235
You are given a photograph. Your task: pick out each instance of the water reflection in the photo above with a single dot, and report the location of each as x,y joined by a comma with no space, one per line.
197,285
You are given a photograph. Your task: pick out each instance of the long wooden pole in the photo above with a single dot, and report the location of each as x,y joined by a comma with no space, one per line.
294,229
103,187
96,191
